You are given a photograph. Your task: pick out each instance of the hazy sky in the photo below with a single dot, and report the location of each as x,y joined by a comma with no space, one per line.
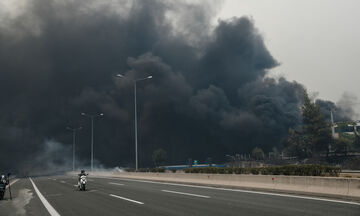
317,42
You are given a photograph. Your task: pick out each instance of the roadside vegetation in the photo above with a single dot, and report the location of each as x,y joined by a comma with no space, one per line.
294,170
313,141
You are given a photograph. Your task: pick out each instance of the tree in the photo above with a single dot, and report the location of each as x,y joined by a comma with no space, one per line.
258,153
159,156
315,128
298,144
342,145
314,136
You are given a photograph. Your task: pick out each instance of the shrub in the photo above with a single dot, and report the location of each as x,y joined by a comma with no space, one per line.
297,170
129,169
254,171
159,169
143,170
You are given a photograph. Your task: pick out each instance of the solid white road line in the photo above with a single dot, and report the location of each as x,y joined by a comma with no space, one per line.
189,194
113,183
47,205
130,200
239,190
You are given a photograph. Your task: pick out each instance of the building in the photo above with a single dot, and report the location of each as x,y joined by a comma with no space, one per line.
351,128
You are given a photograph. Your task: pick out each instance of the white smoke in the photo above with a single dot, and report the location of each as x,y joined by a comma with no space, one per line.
348,103
54,157
19,203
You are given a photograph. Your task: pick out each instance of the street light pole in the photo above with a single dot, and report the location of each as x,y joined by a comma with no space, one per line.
73,148
92,136
136,144
92,143
73,164
135,118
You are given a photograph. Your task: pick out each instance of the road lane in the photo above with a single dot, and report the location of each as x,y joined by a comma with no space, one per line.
111,197
260,204
356,202
75,202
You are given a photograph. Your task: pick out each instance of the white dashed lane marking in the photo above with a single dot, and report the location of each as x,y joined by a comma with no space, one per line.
187,194
113,183
123,198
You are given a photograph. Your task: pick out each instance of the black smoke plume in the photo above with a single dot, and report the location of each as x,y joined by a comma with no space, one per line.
209,95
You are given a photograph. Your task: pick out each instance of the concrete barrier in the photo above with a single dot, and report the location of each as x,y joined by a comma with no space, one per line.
320,185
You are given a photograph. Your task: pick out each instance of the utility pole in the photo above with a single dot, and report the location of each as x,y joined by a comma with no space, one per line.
332,123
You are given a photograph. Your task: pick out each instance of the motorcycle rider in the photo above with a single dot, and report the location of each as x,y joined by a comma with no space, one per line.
3,182
82,173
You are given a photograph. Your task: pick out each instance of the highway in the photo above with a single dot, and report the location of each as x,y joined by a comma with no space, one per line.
58,195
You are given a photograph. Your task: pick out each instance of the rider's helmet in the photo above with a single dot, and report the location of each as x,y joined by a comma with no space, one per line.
82,171
2,176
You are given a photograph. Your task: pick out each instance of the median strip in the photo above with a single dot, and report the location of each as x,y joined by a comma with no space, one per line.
130,200
188,194
47,205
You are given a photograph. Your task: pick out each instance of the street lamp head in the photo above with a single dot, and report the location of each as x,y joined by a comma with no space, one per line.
119,75
101,114
83,114
149,77
68,128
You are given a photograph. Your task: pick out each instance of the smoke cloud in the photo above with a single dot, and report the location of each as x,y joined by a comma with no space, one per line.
209,95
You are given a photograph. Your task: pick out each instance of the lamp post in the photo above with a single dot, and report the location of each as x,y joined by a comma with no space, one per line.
73,152
135,116
92,135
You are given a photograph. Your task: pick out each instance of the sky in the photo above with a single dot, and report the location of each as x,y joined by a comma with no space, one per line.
316,41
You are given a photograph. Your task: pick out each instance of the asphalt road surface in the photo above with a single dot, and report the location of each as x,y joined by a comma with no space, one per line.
58,195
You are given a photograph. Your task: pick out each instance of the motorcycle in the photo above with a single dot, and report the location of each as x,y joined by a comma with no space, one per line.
2,190
82,183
